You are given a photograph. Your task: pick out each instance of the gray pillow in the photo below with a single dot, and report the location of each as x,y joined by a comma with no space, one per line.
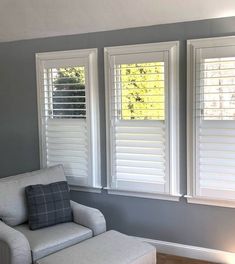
48,204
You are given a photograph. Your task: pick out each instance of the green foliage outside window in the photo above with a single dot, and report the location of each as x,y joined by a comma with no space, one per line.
142,91
69,83
140,87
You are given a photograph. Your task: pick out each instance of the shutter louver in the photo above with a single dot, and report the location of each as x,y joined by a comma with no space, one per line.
140,155
65,121
215,125
67,144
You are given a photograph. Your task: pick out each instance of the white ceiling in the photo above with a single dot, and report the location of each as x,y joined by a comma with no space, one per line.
26,19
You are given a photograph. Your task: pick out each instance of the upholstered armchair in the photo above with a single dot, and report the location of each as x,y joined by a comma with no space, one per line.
19,244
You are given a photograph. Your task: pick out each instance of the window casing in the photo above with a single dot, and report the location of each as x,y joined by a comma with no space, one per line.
142,120
211,121
69,114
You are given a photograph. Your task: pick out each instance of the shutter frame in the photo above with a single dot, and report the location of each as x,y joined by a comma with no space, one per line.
197,187
87,58
172,53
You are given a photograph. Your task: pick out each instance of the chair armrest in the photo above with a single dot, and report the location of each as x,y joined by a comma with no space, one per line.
14,246
89,217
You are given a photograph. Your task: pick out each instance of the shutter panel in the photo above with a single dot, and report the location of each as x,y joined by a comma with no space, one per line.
67,144
215,122
139,155
64,117
138,93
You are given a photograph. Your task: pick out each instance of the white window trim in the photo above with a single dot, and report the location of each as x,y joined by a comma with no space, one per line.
86,189
173,197
192,45
94,126
173,48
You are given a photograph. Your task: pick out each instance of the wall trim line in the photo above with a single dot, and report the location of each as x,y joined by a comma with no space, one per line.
193,252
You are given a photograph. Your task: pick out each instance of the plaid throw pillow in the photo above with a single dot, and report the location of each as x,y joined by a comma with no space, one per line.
48,204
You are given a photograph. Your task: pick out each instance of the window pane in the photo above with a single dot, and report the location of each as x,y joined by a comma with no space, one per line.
140,91
217,82
65,92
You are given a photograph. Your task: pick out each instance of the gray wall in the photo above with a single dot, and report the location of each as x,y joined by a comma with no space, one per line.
198,225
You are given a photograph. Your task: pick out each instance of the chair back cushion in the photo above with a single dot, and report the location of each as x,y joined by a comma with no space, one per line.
13,209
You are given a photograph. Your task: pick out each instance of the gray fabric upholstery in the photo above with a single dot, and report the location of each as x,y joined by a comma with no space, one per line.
14,243
5,254
20,245
110,247
48,240
89,217
148,258
13,209
48,204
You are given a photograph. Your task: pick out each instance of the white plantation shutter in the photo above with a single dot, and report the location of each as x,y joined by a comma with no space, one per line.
67,133
214,119
138,120
139,151
68,144
140,155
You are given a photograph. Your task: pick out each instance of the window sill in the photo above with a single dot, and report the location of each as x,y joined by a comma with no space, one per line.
167,197
97,189
209,201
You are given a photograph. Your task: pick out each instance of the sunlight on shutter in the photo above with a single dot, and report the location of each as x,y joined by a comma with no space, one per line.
140,91
216,126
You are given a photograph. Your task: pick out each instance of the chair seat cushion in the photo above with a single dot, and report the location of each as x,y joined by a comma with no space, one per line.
48,240
111,247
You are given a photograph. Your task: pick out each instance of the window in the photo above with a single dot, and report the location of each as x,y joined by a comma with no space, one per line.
142,120
68,114
211,121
